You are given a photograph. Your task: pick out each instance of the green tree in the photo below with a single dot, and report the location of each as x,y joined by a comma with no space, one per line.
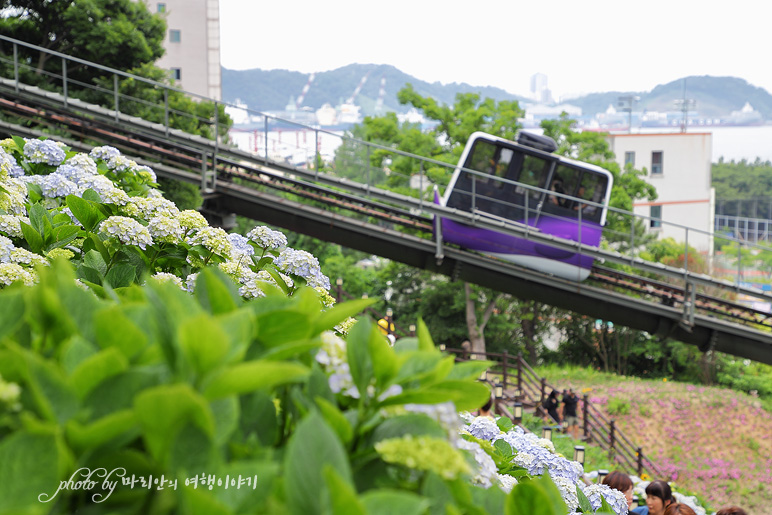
120,34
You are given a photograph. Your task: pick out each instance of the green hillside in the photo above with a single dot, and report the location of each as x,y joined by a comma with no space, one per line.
714,442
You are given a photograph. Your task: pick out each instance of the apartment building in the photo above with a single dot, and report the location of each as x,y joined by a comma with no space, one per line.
192,44
678,166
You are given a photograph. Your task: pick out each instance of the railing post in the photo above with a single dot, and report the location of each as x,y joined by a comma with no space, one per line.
520,373
16,66
338,289
203,172
64,80
216,141
543,389
166,110
611,436
317,157
585,418
639,454
367,182
115,94
265,117
505,365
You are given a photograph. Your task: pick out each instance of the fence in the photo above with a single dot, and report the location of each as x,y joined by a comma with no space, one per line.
517,382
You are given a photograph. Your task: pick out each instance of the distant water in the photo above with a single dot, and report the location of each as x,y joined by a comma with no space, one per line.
735,142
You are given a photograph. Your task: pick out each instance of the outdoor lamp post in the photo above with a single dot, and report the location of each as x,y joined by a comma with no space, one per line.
499,391
484,375
546,433
602,473
518,412
442,347
579,454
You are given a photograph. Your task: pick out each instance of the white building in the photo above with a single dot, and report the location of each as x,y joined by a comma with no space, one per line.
192,44
678,166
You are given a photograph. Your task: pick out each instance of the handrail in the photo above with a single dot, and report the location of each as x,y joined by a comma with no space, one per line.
597,427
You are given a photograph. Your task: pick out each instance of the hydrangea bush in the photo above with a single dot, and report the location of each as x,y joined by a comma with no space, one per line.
141,348
103,211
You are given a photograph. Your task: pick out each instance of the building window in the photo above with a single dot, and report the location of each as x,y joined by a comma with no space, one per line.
161,7
630,158
175,36
656,162
656,217
176,73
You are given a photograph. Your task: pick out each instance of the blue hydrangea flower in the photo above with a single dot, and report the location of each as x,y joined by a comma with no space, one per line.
43,151
241,246
483,428
302,264
55,185
104,153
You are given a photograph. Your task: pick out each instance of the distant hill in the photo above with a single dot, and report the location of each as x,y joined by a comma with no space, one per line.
272,90
715,96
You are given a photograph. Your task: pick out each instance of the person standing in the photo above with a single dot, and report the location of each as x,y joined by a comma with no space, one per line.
551,404
570,418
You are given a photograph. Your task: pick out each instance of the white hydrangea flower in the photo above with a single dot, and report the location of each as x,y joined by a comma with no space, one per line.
99,183
267,238
146,173
115,196
13,200
487,472
164,277
7,164
25,257
6,247
213,238
165,229
568,492
506,482
120,163
10,225
126,230
190,282
11,272
83,162
190,219
150,207
251,289
547,444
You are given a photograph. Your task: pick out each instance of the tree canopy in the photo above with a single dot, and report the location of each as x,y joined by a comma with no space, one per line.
120,34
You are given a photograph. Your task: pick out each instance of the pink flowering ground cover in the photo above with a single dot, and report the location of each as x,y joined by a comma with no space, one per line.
713,442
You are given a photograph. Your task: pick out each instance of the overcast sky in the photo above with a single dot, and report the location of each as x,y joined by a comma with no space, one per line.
582,46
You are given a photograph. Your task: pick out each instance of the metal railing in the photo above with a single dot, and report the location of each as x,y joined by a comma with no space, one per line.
364,167
520,383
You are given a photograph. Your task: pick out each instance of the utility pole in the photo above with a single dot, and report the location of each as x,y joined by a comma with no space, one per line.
684,105
625,103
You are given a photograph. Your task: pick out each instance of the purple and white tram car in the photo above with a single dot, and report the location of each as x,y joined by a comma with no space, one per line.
528,162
